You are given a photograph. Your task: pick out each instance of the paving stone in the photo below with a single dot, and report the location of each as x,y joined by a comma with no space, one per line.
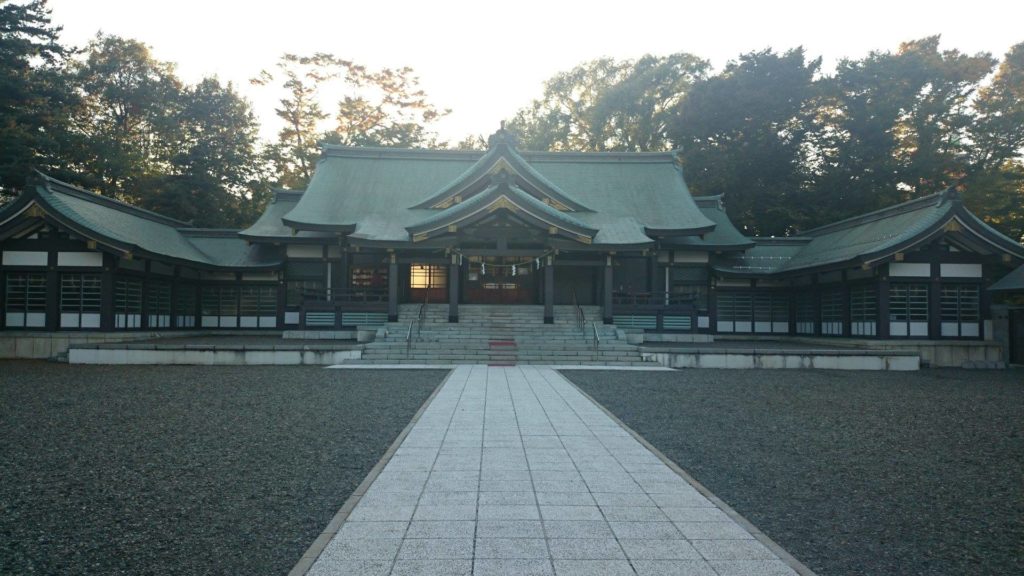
333,567
509,529
436,548
445,512
571,512
447,567
673,568
585,549
696,514
622,499
772,567
466,498
381,513
358,530
517,567
648,549
507,499
362,549
732,550
508,512
646,530
565,498
577,529
593,568
441,529
506,485
634,514
713,531
510,548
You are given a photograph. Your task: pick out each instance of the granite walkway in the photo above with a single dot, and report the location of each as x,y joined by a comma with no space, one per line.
512,471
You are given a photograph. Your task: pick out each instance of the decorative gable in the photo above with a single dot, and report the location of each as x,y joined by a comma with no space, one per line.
502,160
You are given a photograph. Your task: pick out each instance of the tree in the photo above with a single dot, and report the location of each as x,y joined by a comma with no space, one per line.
893,126
389,109
994,184
382,108
126,129
216,176
33,96
608,104
742,133
296,150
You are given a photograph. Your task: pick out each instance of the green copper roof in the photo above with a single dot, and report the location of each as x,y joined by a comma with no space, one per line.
872,238
368,192
725,236
133,229
517,199
767,256
1012,282
269,227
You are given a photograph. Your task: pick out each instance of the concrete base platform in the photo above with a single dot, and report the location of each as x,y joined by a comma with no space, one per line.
777,355
233,351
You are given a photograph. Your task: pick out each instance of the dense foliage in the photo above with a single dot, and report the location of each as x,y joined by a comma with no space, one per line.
791,147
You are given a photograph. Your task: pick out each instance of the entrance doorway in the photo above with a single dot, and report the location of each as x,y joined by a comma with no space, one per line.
1017,336
493,280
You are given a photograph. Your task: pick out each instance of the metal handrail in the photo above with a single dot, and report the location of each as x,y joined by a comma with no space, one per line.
421,314
581,322
597,337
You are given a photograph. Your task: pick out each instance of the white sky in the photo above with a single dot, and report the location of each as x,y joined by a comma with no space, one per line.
485,60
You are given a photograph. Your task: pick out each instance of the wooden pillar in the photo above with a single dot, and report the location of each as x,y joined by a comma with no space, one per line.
392,288
816,295
549,292
652,273
453,288
175,288
52,292
282,298
607,290
847,329
793,303
146,281
712,305
107,292
344,274
883,304
935,302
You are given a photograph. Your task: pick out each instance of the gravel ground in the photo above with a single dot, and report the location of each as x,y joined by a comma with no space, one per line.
851,472
185,470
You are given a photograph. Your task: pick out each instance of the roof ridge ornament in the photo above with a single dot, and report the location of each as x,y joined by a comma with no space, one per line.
502,138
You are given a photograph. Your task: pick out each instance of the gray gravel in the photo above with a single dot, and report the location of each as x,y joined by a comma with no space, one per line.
185,470
852,472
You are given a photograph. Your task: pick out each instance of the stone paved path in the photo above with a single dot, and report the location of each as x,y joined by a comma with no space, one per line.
511,471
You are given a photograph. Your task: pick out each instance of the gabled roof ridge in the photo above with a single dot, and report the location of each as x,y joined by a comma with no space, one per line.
209,232
780,240
516,192
82,193
502,150
337,150
280,192
713,201
889,211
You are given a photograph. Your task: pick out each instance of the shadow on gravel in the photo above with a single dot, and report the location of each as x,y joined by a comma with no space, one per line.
186,470
851,472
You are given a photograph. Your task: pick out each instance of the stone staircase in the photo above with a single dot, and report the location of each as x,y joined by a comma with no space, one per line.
499,335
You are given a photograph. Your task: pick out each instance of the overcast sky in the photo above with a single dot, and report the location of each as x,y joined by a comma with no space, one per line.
485,60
